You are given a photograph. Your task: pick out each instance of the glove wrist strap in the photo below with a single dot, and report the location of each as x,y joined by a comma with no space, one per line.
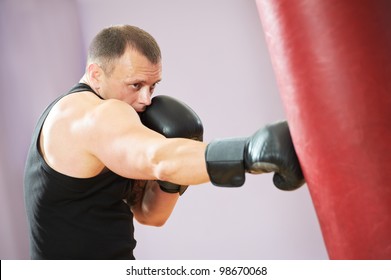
225,162
172,188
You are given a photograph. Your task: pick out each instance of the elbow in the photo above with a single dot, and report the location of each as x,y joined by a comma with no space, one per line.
150,218
158,223
154,222
164,170
160,163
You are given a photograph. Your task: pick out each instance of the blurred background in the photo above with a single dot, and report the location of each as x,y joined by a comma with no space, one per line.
214,59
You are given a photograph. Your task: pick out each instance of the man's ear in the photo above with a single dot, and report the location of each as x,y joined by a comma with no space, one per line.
95,73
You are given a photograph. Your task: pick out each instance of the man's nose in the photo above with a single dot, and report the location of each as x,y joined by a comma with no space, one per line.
145,96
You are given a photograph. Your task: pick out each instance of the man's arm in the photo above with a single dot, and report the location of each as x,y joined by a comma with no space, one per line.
124,145
149,204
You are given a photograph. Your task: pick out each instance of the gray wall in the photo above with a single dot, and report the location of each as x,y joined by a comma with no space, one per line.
215,59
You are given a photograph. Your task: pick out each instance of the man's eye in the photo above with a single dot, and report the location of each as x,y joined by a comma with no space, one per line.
136,86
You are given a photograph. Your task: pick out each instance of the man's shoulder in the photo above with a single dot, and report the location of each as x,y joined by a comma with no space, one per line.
68,113
78,101
85,104
83,115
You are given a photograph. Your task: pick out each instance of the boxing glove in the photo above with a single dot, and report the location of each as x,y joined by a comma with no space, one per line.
173,119
270,149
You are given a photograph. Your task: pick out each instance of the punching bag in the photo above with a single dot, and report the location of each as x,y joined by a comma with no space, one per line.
332,61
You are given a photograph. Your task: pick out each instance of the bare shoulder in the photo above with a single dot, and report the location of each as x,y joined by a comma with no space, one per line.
73,125
83,103
96,121
85,112
108,119
107,111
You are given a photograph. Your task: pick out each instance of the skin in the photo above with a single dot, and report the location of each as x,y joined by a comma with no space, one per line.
84,135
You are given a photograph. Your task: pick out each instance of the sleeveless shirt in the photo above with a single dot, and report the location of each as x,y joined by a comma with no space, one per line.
75,218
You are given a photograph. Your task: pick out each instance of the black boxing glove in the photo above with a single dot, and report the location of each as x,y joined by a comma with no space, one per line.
173,119
270,149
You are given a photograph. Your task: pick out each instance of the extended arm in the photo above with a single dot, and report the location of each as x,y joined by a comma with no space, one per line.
132,150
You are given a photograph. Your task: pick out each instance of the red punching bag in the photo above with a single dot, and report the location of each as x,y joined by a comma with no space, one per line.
332,61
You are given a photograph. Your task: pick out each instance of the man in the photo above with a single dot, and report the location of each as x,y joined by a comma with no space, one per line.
91,155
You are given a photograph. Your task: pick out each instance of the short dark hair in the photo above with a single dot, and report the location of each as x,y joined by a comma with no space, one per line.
112,42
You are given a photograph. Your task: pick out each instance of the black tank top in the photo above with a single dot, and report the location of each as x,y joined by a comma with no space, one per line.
73,218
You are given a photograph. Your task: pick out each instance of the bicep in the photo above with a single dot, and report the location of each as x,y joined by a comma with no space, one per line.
121,142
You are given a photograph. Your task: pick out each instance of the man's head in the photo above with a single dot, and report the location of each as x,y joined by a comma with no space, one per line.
111,43
124,62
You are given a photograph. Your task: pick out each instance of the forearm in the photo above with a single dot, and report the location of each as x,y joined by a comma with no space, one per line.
154,207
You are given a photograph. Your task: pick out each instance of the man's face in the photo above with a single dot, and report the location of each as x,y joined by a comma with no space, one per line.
132,80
